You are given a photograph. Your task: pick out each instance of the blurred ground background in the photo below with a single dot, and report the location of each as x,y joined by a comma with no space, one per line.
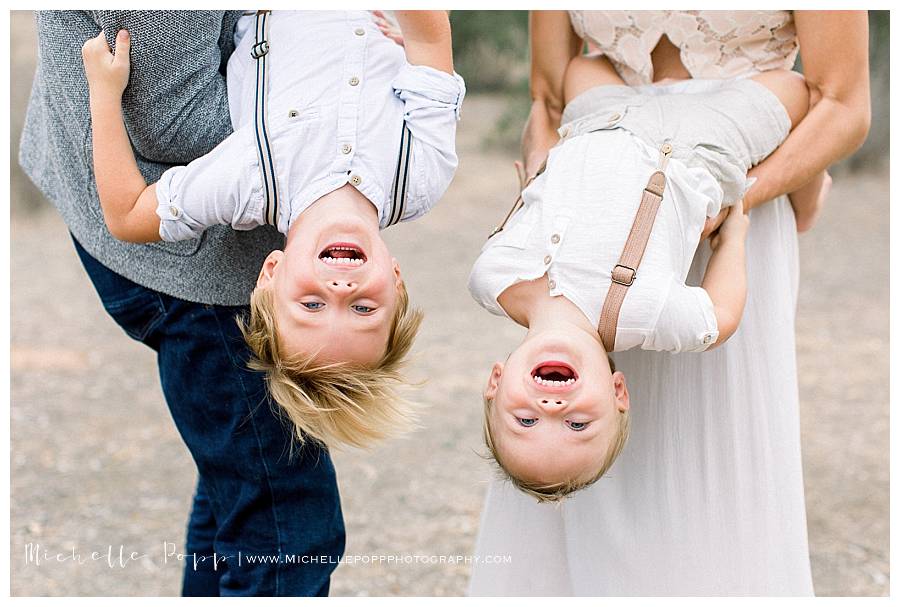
96,460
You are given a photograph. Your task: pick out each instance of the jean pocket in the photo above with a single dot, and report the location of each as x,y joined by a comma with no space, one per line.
137,311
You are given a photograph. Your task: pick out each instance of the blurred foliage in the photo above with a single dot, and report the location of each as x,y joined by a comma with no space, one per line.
491,51
490,48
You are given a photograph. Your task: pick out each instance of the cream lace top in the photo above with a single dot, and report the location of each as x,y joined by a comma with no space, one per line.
713,44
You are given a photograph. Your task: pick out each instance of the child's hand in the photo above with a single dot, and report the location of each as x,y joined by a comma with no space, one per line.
733,229
107,73
712,224
388,28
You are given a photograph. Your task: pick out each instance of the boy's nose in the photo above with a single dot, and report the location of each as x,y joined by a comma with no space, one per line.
551,404
342,285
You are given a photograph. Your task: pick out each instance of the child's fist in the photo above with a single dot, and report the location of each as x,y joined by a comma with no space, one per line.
107,73
734,228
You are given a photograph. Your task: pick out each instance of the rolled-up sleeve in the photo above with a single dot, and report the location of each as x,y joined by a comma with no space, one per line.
432,100
216,189
687,322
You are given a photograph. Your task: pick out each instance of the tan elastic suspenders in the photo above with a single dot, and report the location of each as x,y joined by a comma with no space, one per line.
624,272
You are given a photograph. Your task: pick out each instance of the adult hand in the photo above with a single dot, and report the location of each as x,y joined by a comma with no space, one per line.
807,214
107,72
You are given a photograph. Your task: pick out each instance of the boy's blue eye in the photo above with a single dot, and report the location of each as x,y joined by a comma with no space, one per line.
363,309
527,421
312,305
578,426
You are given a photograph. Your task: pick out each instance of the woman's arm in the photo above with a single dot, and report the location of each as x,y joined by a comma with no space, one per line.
426,38
553,45
129,206
834,47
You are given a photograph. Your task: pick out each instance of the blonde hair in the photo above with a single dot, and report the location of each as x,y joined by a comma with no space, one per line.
341,402
555,492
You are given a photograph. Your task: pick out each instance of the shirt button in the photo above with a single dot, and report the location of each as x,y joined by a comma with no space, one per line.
565,132
615,117
354,81
359,31
555,239
346,148
547,259
293,113
174,211
707,339
552,284
356,180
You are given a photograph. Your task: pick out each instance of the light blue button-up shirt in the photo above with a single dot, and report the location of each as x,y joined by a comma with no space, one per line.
339,93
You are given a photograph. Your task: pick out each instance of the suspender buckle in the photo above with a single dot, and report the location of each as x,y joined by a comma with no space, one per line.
623,275
259,49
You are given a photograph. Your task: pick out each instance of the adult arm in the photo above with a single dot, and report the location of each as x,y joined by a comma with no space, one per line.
834,50
553,45
176,105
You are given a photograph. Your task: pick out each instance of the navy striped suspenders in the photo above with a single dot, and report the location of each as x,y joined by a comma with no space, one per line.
260,52
401,177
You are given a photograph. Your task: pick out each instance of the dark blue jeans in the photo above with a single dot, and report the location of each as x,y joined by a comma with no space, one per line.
273,519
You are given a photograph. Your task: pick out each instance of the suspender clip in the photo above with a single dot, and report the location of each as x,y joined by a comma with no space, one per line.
260,49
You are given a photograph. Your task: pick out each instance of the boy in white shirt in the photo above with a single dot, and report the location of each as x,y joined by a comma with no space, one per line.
556,410
338,132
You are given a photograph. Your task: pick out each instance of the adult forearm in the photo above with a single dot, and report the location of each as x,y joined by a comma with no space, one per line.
832,130
540,134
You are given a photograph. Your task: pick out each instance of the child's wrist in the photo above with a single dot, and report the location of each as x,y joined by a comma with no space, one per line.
105,99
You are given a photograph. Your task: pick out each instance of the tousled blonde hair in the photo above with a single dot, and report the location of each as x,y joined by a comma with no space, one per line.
335,403
555,492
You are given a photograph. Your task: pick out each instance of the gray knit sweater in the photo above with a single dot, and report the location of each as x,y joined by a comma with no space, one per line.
175,108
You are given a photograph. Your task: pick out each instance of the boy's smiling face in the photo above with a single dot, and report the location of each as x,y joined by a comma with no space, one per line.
335,290
555,405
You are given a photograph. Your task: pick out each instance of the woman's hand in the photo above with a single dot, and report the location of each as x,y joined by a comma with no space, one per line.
809,200
107,72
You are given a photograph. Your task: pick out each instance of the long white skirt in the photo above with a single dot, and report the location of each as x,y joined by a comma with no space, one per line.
707,496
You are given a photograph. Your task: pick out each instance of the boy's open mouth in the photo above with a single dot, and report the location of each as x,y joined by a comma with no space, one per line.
554,374
343,254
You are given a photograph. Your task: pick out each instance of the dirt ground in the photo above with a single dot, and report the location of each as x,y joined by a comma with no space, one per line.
96,461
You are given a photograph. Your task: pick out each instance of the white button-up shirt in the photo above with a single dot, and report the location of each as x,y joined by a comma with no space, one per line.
573,226
338,95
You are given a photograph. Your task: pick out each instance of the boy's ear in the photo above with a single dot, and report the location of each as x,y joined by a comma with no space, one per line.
493,384
621,391
267,272
397,278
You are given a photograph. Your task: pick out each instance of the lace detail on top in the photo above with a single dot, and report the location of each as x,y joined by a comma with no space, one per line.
713,44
